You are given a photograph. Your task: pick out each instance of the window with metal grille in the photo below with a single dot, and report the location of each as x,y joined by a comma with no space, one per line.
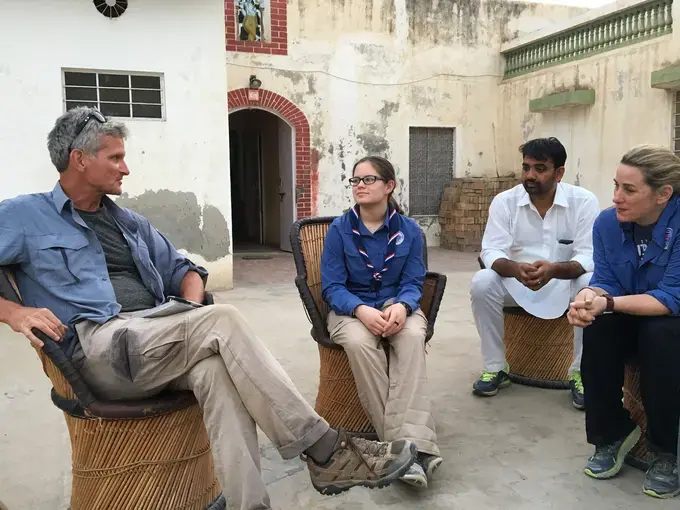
676,124
115,94
431,160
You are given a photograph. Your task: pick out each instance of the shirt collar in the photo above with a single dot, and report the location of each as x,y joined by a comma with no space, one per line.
60,200
662,223
661,227
59,197
560,197
362,228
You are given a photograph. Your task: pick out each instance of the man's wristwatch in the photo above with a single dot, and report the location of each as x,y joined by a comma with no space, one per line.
408,309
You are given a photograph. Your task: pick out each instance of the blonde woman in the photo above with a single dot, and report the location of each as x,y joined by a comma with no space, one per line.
631,309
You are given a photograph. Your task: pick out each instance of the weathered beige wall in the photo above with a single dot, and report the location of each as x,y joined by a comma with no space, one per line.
627,110
395,64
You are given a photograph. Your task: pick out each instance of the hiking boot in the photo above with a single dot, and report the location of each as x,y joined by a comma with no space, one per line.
489,383
429,463
576,385
415,476
661,480
360,462
608,460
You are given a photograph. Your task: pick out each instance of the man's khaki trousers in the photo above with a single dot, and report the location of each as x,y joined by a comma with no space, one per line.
395,398
237,382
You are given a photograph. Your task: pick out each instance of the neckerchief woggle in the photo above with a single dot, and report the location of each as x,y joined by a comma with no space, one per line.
393,221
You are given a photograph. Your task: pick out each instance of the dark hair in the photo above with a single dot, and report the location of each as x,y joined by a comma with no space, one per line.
544,149
385,170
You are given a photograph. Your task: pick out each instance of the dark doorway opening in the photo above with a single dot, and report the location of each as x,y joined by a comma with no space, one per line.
262,181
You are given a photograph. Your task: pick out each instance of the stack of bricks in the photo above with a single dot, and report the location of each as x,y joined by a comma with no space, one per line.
465,209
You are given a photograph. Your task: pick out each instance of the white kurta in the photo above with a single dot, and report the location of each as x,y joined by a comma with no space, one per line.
516,231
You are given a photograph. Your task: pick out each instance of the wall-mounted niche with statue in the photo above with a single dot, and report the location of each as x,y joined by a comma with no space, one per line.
251,20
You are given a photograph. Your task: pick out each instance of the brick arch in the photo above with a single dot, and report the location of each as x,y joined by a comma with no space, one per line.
306,177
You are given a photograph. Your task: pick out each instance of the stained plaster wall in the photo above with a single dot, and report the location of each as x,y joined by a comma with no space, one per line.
627,110
180,165
366,70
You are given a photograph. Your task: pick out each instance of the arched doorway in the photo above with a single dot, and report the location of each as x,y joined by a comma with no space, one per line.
270,161
262,187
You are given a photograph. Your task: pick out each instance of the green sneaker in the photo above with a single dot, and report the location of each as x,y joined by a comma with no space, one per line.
576,385
489,383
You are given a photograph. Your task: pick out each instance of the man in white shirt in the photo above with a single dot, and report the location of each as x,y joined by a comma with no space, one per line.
538,253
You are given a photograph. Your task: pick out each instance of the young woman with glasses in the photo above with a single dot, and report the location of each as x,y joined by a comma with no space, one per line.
372,273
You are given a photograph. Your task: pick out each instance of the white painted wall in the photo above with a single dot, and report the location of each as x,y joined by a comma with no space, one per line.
363,73
188,152
627,110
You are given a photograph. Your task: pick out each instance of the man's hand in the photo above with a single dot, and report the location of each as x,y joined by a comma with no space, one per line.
524,273
586,306
24,318
395,315
371,318
544,271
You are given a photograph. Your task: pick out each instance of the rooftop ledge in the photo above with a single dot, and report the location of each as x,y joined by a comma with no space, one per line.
600,30
569,23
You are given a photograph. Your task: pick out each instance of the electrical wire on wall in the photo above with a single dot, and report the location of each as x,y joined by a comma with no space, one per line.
458,77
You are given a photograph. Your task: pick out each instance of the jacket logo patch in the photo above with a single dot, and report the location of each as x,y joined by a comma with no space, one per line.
667,238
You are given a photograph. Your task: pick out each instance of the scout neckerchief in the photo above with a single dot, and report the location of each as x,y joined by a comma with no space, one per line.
393,219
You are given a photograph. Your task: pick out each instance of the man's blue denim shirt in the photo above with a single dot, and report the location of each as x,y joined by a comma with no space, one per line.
346,279
60,264
617,268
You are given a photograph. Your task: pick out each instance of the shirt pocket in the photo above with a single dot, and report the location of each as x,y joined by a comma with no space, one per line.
565,252
656,269
355,263
60,260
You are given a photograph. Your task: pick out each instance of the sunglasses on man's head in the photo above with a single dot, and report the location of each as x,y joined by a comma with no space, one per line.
94,114
369,179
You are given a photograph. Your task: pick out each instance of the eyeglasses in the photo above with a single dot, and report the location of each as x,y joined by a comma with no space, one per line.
94,114
368,180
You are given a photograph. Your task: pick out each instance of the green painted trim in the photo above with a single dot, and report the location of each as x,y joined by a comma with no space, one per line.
561,100
667,78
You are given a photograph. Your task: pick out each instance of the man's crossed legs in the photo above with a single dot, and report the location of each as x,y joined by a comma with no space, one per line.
239,384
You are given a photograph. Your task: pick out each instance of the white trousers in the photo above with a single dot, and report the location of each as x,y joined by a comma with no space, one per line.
489,296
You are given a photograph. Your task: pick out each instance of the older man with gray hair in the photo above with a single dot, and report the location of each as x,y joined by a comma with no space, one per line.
97,278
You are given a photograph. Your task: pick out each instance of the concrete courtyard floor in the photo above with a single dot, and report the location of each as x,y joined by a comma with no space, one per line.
523,449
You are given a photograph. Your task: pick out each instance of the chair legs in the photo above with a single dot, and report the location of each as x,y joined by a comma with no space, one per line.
337,400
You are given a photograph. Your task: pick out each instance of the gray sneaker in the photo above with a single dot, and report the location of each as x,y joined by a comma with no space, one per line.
662,480
608,460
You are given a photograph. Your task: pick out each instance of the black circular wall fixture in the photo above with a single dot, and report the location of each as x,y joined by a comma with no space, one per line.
111,8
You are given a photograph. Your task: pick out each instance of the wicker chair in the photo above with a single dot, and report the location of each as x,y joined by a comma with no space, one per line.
639,456
539,351
337,400
151,454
